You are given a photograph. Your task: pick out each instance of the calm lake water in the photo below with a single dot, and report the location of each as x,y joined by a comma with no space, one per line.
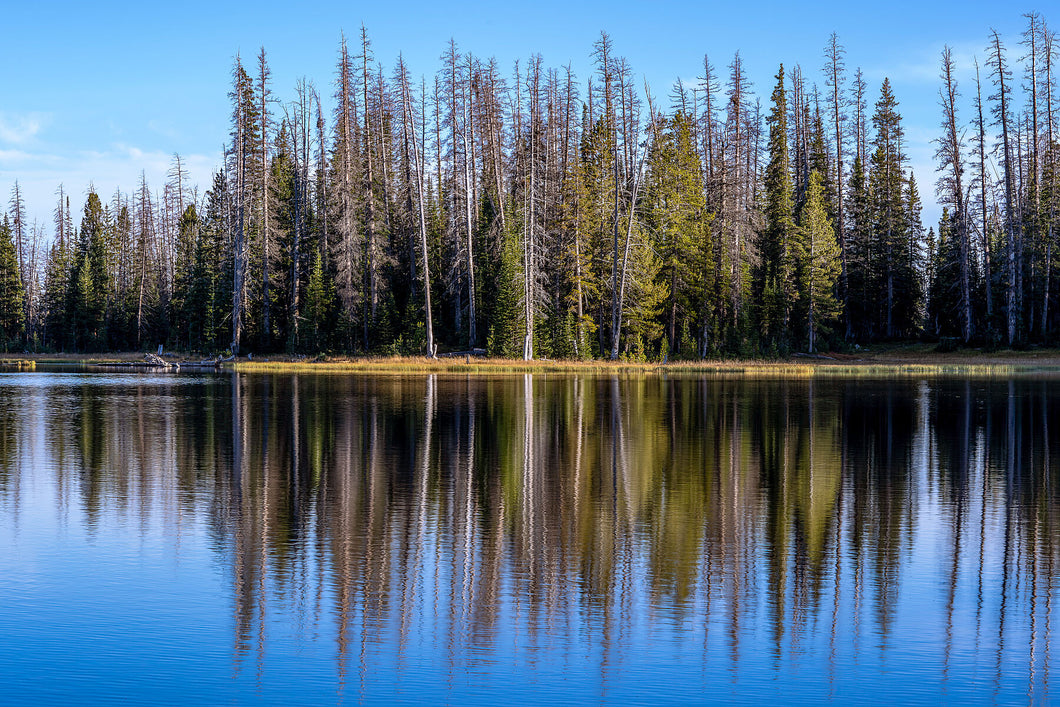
316,539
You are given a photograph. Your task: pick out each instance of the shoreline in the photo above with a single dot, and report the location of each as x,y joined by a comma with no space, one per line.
916,360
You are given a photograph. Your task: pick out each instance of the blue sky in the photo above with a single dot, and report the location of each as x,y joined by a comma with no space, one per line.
100,91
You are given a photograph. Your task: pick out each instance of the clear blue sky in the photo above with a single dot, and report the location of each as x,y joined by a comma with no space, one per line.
100,91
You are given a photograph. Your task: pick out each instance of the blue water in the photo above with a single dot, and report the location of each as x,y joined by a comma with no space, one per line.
215,538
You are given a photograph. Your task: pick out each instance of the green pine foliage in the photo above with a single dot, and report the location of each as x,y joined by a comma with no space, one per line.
12,295
317,316
675,206
817,254
773,283
507,327
88,288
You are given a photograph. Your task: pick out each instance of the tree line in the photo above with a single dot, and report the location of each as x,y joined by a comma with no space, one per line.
531,213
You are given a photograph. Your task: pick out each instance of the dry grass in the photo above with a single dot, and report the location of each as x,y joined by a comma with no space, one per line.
17,364
117,357
918,360
720,368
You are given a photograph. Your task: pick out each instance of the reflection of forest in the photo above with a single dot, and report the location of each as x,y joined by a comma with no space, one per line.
453,507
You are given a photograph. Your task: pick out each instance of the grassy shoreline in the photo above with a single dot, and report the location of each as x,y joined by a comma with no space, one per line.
907,360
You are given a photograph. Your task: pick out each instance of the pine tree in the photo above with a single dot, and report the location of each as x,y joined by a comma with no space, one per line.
319,308
89,285
893,258
861,312
944,280
56,277
12,296
818,264
911,263
774,281
507,333
675,207
183,303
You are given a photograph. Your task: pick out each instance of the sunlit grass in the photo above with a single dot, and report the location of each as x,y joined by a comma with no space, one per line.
883,362
720,368
17,364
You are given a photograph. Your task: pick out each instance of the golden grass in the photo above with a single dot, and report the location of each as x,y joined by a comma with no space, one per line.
883,362
420,364
721,368
116,357
17,364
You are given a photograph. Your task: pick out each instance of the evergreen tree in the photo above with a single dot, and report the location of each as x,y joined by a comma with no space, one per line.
861,278
818,264
319,308
675,206
507,325
88,290
894,260
774,281
944,280
187,325
56,286
648,294
12,295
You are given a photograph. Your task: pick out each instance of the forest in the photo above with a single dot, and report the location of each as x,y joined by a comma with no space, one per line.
532,213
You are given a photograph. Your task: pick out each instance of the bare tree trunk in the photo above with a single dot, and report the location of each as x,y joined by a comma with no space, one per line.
1013,269
528,249
408,124
18,214
1048,57
368,293
239,245
1034,28
835,69
951,154
625,254
266,237
495,143
988,276
468,165
145,219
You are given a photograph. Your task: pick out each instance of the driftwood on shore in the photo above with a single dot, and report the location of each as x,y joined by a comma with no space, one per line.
154,361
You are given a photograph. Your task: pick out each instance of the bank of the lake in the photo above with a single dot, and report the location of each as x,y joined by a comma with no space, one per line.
897,360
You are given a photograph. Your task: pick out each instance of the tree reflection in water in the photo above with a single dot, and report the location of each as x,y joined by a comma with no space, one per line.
595,523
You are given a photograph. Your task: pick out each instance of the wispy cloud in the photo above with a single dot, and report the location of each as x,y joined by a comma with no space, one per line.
21,128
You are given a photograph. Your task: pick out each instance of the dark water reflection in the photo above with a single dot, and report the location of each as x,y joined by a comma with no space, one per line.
311,539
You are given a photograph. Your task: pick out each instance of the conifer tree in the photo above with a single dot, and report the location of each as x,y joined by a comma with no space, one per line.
89,284
819,264
184,304
861,312
12,296
774,280
892,260
676,216
319,308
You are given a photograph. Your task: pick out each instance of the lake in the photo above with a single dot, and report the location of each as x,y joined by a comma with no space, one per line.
544,539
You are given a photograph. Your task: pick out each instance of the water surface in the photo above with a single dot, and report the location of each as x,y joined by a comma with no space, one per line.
315,539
